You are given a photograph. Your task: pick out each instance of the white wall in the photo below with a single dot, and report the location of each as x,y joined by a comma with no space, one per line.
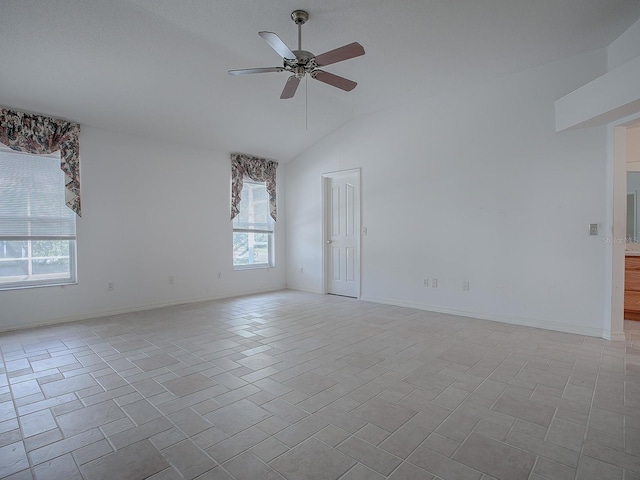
150,210
473,186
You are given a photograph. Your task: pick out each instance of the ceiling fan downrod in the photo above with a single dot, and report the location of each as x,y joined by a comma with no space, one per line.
299,17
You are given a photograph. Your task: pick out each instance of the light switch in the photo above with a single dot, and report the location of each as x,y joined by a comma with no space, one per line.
593,229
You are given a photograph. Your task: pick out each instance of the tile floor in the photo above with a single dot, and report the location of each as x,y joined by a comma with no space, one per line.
300,386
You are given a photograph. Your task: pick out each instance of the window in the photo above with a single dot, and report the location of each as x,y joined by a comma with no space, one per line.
253,228
37,229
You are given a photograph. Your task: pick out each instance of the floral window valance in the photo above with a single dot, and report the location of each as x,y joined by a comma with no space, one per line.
40,135
258,170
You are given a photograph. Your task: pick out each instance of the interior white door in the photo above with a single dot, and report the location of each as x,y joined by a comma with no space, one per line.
343,233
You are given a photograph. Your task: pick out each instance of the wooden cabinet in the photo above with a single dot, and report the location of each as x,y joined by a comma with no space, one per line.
632,288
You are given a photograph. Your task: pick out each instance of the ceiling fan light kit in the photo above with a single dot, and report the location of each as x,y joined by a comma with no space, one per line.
301,62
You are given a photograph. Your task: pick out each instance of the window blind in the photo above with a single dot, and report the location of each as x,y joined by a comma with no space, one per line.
32,201
254,209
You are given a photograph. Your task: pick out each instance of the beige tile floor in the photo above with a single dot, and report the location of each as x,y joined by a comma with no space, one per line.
303,386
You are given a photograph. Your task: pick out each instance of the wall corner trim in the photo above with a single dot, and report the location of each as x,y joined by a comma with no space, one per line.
608,98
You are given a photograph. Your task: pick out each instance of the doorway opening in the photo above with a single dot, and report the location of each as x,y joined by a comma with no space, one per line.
624,241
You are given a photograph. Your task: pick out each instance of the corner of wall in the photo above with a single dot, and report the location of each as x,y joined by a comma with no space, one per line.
624,48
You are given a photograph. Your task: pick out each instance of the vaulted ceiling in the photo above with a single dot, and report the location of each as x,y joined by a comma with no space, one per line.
158,68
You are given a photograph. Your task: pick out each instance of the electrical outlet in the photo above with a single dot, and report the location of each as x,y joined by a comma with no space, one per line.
425,282
110,286
593,229
465,286
172,280
219,275
434,282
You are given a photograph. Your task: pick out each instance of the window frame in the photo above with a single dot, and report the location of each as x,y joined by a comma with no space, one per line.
270,235
43,279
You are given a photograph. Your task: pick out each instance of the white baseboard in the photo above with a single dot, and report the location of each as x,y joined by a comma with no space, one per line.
527,322
306,290
614,336
136,308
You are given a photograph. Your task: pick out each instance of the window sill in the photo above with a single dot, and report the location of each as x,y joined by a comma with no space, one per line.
14,286
240,268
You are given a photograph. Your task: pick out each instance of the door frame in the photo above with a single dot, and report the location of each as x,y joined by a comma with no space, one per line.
615,253
325,228
634,218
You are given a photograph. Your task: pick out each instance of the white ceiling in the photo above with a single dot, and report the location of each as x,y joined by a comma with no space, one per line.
158,68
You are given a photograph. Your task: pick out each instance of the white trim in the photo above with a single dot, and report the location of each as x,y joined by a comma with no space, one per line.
252,266
616,337
617,206
316,291
634,204
523,321
606,99
140,308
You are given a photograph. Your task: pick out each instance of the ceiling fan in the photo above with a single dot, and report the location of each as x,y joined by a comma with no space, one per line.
301,62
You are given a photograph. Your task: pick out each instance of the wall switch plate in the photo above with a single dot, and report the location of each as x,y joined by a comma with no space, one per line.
465,286
593,229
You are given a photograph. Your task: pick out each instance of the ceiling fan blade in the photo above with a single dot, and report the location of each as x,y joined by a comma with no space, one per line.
290,87
339,54
278,45
334,80
246,71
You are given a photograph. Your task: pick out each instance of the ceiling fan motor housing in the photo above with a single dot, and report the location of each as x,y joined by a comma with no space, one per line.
304,63
299,17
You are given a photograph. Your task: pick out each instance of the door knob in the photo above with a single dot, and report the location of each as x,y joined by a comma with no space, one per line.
329,241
